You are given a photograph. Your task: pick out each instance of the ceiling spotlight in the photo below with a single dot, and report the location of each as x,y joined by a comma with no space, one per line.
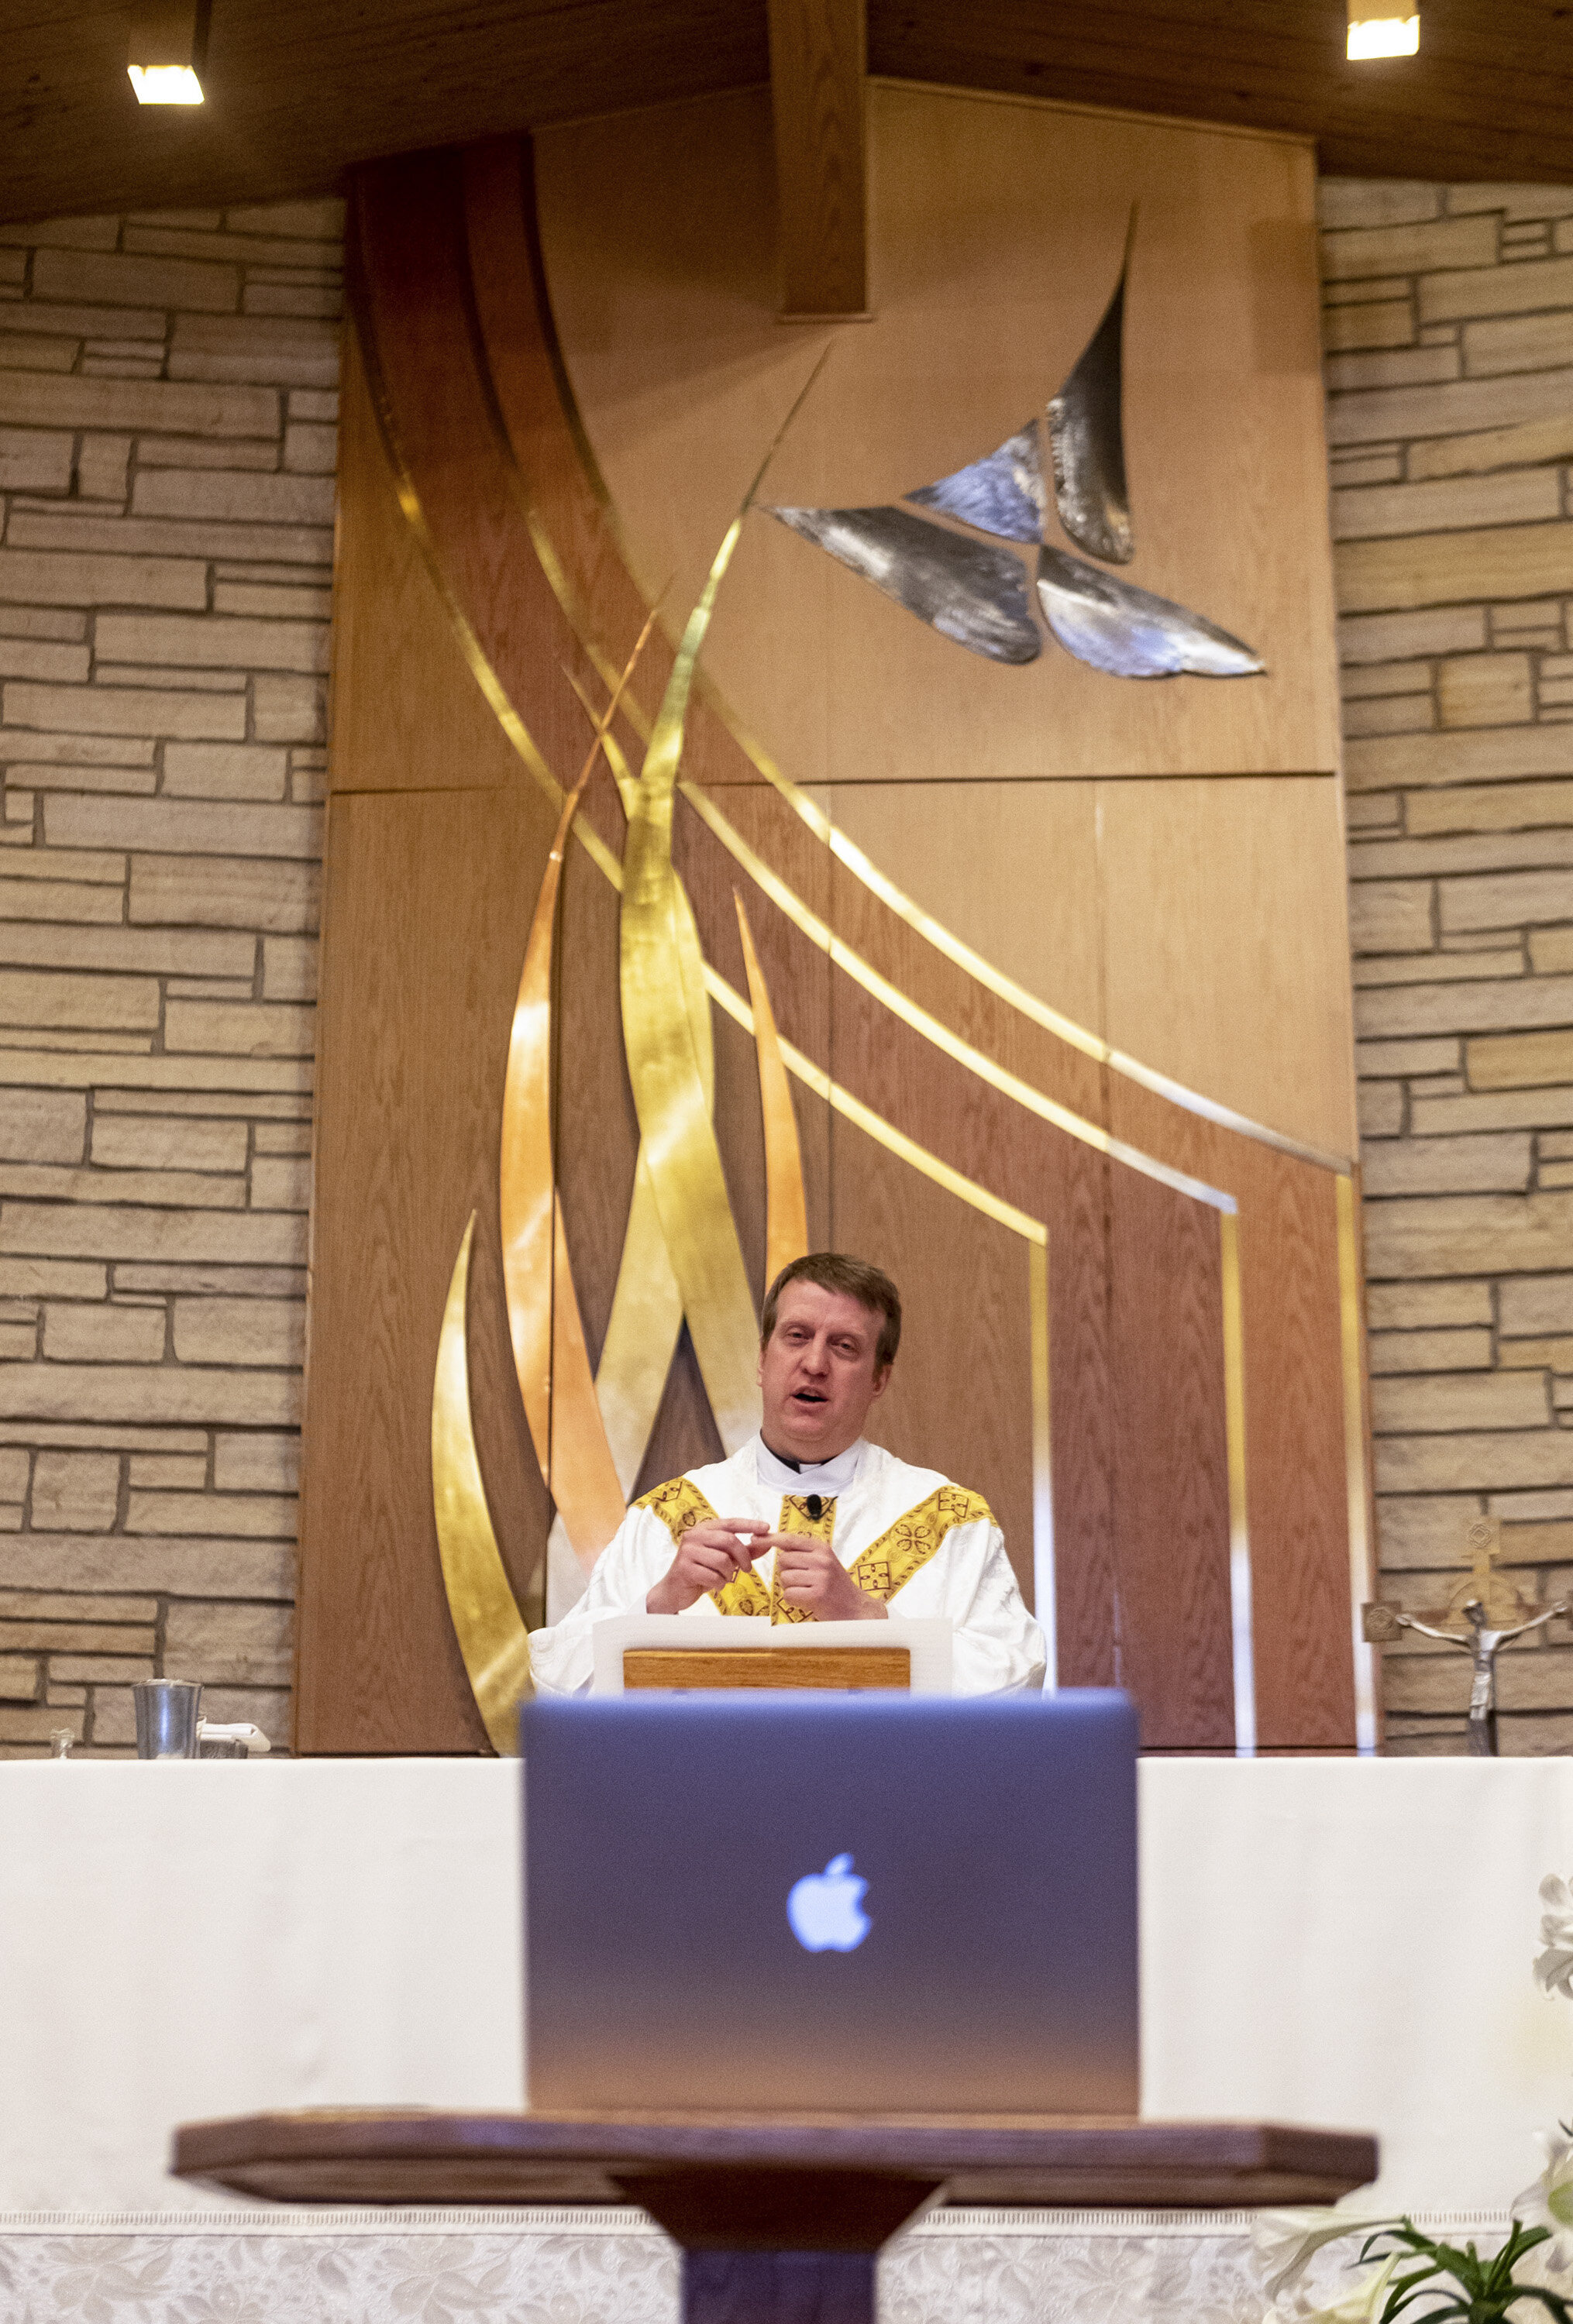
1375,34
169,49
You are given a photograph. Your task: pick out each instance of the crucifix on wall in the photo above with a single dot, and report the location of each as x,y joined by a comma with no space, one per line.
1483,1614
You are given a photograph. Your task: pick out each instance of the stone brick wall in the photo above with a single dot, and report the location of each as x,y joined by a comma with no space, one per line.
1449,339
166,430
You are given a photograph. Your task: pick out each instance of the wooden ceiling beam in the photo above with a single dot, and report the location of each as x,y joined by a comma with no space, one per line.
818,83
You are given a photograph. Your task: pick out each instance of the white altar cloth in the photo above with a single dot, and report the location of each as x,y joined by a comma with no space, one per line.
1341,1942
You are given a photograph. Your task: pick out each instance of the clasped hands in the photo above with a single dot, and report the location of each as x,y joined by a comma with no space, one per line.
812,1576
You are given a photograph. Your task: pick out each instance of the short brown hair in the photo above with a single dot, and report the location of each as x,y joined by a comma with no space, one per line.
869,1285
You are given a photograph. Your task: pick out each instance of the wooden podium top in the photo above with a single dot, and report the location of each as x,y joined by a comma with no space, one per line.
712,2178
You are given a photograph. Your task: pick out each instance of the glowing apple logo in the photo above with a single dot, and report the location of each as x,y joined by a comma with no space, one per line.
825,1909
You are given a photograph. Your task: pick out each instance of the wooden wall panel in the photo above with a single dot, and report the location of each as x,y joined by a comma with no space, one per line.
995,234
520,582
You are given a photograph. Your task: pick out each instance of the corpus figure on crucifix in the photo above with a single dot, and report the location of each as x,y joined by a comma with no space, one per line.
1482,1643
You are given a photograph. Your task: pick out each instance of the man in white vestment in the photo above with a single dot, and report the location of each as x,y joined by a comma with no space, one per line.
809,1521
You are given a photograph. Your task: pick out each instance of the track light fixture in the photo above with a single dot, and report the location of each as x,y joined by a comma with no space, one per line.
169,50
1378,31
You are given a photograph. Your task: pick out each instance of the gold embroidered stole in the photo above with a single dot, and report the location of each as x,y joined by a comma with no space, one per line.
883,1568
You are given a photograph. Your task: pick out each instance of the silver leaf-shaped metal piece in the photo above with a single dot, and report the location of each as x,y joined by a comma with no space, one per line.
1003,494
963,589
1086,438
1130,633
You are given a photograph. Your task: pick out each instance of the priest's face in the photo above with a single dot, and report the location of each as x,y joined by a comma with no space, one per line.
817,1372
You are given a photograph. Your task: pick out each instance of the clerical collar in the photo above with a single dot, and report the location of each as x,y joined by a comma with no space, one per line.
825,1477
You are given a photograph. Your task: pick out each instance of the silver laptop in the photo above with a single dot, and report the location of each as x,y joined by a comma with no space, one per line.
851,1902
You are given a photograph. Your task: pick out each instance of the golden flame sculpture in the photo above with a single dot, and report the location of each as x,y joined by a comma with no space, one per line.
680,1255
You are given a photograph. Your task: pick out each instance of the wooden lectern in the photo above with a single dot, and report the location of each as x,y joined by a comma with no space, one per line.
666,1650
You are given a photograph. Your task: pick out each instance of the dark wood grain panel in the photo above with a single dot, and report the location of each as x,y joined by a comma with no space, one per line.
1081,1413
817,68
421,951
1170,1465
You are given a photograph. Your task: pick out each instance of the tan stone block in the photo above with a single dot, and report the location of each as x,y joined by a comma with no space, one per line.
272,599
58,1062
48,1182
143,1143
226,893
1430,1351
1494,447
235,496
320,221
240,1331
35,460
113,1670
1551,949
1381,1108
290,968
268,1708
44,1230
14,1468
313,403
77,1492
212,1568
1488,754
1537,1355
168,1472
19,658
1520,1060
1517,496
70,1637
1518,342
212,642
293,352
1451,407
1430,1682
257,1463
249,1029
288,709
1368,323
1409,248
84,1335
1425,1532
281,1185
1537,1680
1498,1110
223,771
167,537
1473,1463
1429,968
1486,690
1537,1545
310,449
37,1726
1556,1143
153,951
1373,1059
248,1645
1359,679
1505,900
166,240
1524,560
1375,201
1536,1305
18,1342
1465,1006
29,998
137,405
1450,1401
1483,1163
252,1516
1556,1173
1399,713
42,1126
1415,1306
101,465
155,1393
1375,637
124,710
19,1678
140,781
185,827
52,1279
1505,806
1461,1234
113,279
1495,290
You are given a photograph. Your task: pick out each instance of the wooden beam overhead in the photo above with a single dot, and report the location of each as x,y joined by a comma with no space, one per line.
299,91
818,73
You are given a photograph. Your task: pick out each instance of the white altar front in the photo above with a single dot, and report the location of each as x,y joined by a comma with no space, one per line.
1340,1942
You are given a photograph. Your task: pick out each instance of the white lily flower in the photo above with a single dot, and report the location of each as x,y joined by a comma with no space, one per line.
1554,1968
1286,2242
1548,2203
1358,2305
